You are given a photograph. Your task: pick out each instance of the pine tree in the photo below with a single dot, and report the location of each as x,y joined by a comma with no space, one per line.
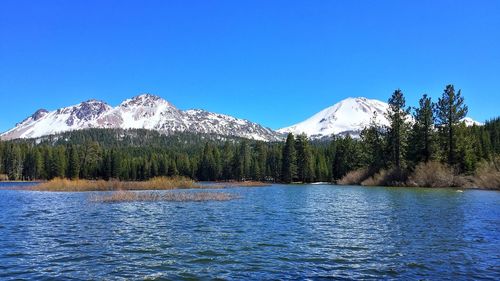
116,165
260,161
74,163
422,135
372,142
172,169
163,166
274,162
14,163
398,127
227,156
450,109
304,159
346,156
58,163
289,160
242,161
89,162
465,156
207,170
29,171
321,167
39,172
47,164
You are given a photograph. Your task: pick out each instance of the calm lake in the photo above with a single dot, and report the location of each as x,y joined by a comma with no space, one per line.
279,232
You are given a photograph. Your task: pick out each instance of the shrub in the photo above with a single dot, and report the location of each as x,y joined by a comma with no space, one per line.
487,176
354,177
435,174
391,177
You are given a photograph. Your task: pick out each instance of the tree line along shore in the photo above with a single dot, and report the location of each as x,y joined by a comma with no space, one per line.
426,145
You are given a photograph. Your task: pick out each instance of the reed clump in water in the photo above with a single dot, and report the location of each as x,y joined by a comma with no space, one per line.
129,196
158,183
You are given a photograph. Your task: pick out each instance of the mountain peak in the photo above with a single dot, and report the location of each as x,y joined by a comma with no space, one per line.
146,100
354,99
470,122
146,96
39,114
94,101
350,115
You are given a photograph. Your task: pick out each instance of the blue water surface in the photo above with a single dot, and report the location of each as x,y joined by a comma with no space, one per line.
279,232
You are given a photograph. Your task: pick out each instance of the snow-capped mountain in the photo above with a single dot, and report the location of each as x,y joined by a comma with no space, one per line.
471,122
349,116
141,112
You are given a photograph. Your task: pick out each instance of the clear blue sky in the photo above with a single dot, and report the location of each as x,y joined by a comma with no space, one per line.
272,62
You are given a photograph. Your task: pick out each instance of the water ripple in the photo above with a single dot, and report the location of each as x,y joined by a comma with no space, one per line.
281,232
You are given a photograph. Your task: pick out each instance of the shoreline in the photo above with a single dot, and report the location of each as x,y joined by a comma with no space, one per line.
65,185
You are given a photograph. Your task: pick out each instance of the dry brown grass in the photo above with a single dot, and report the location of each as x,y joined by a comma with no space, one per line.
487,176
354,177
159,183
130,196
435,174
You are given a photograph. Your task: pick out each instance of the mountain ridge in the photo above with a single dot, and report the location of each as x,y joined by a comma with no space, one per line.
144,111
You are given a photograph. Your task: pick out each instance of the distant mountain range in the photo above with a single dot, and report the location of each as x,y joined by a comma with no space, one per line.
141,112
147,111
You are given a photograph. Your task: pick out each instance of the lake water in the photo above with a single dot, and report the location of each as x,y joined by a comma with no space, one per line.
279,232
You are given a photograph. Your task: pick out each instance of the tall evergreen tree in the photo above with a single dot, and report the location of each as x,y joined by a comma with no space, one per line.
398,127
372,142
29,171
346,156
305,170
39,172
207,170
260,161
74,163
450,109
116,164
274,162
466,159
58,162
289,160
321,168
14,164
422,135
227,156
